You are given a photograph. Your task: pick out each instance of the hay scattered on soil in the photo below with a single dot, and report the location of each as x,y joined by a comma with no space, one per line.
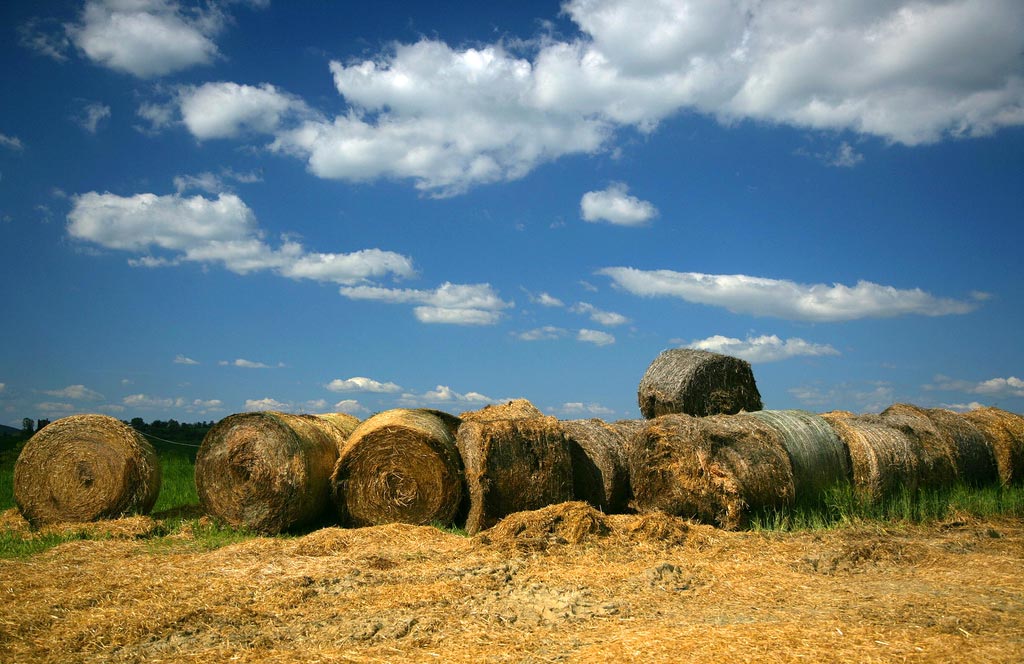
937,469
564,523
268,471
399,466
819,458
1005,433
884,459
513,465
713,469
516,409
600,472
653,528
343,422
697,382
84,468
972,455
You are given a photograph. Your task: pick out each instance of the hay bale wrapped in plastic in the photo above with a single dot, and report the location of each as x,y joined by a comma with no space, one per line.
698,383
972,454
268,471
516,409
400,466
883,459
1005,434
600,473
513,465
714,469
937,469
85,468
819,458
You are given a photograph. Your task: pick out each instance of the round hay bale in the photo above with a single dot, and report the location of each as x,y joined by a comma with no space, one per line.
268,472
713,469
600,473
972,455
1005,434
937,469
84,468
819,458
399,466
884,460
516,409
513,465
343,422
698,383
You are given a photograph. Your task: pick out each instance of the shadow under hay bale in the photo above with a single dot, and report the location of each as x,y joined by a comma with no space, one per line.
884,460
267,471
820,460
1005,434
698,383
513,465
937,469
973,457
516,409
84,468
713,469
400,466
565,523
600,472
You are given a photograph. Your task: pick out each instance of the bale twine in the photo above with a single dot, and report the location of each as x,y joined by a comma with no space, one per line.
819,458
937,469
267,471
84,468
884,460
1005,433
399,466
513,410
972,455
513,465
697,382
600,473
714,469
343,422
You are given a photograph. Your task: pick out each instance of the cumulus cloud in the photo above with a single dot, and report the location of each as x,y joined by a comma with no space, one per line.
780,298
91,115
225,109
361,384
181,359
149,402
544,299
546,333
248,364
266,403
995,387
350,406
213,183
609,318
869,397
55,408
616,206
963,407
765,348
595,337
458,304
46,37
76,393
443,395
11,142
575,408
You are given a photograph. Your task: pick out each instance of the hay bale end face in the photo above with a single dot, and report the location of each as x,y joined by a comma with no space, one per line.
400,466
698,383
713,469
1005,434
513,465
267,471
819,458
600,472
84,468
884,460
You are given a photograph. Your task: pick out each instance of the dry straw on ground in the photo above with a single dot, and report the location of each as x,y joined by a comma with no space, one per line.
600,471
267,471
513,410
972,455
884,460
697,382
84,468
1005,433
713,469
937,469
400,466
819,458
513,465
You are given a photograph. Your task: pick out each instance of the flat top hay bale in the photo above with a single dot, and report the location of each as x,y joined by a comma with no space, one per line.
819,458
600,471
400,466
972,453
83,468
697,382
343,422
713,469
513,410
513,465
1005,433
884,459
267,471
935,449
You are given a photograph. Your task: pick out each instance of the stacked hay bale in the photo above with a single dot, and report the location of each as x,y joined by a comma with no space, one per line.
84,468
600,472
884,460
1005,435
714,469
400,466
819,458
697,382
513,464
268,472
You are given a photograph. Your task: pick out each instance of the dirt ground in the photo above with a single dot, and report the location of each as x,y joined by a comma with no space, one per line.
561,584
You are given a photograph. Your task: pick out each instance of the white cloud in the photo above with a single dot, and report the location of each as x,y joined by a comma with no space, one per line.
1011,387
76,393
443,395
609,318
221,230
871,397
147,401
595,337
266,403
765,348
248,364
50,408
575,408
780,298
548,300
91,115
11,142
46,37
3,387
350,406
181,359
205,181
616,206
546,333
460,304
225,110
846,157
159,116
963,407
361,384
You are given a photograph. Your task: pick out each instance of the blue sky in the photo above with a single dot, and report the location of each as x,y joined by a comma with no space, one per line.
233,206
